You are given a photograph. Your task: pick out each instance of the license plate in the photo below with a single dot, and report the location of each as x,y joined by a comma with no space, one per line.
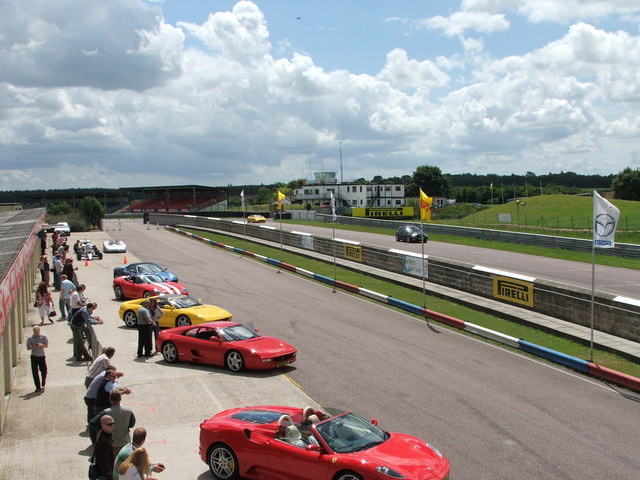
282,364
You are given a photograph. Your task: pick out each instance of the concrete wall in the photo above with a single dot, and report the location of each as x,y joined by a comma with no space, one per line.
614,315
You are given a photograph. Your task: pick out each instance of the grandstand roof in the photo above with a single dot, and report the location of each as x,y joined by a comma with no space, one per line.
164,188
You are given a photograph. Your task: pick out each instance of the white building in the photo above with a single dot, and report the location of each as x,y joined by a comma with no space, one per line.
318,192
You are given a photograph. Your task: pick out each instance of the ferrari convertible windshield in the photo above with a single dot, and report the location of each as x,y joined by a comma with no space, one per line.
350,433
184,302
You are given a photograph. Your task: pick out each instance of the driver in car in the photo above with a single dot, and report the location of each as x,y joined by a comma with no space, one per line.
306,435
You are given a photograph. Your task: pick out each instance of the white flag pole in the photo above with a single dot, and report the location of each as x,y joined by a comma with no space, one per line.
333,237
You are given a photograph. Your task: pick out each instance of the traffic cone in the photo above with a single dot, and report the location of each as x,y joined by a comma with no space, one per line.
125,260
86,262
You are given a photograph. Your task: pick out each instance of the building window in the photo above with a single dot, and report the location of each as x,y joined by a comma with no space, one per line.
398,188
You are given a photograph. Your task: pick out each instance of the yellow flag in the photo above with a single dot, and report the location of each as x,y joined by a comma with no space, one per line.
425,207
280,197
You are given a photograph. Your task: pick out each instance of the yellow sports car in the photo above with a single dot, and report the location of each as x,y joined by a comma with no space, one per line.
179,310
256,219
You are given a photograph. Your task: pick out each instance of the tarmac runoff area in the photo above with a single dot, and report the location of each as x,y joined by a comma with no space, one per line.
45,435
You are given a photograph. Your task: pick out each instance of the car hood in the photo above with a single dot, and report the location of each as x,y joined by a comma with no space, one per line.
166,288
409,456
210,312
267,345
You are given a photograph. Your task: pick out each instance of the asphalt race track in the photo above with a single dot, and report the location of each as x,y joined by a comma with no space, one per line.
496,414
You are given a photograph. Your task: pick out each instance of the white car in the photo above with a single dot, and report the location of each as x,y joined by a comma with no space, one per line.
61,227
114,246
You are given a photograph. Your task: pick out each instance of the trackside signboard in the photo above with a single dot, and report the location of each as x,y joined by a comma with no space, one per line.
512,290
383,212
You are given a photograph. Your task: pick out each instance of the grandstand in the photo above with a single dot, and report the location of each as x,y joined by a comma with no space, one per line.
175,199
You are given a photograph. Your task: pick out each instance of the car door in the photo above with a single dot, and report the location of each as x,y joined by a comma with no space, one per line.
169,318
291,462
128,288
198,346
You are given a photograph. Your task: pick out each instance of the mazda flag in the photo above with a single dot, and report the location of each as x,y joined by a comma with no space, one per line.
605,221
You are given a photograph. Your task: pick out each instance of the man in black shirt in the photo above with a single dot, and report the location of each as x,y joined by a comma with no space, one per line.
103,455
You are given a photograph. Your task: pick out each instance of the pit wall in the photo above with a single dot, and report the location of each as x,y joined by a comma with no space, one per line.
619,316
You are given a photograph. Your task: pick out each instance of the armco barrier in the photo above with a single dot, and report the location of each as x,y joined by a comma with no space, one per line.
574,363
615,315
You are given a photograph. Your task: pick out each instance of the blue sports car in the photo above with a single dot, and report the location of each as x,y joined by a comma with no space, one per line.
145,268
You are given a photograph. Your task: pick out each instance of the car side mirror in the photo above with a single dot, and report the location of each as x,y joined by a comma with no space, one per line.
313,448
374,422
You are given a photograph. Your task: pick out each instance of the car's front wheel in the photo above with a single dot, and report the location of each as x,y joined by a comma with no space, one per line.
223,463
119,293
183,321
170,352
348,476
146,294
130,319
234,361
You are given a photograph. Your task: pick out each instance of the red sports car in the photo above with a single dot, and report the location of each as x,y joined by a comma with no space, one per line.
283,443
145,286
222,343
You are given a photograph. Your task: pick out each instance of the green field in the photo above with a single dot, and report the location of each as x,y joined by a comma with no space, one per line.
415,297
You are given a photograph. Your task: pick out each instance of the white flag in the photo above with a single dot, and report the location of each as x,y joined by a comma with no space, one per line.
333,208
242,198
605,221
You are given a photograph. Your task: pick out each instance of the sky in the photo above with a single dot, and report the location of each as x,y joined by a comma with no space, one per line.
212,92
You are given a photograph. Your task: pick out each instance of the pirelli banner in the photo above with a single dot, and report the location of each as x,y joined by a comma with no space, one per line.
383,212
513,290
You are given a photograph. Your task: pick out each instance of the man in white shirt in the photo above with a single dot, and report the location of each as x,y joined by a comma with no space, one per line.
67,287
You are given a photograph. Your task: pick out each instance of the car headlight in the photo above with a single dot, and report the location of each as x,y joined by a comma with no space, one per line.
388,472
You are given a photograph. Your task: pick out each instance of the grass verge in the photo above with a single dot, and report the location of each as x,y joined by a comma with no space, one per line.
506,327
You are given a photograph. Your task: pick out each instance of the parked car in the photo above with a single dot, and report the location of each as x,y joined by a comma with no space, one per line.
144,268
256,443
410,233
179,310
60,227
229,344
114,246
145,286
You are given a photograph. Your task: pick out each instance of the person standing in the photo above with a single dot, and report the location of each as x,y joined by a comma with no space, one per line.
99,365
57,271
81,326
70,271
44,267
36,343
139,436
92,392
103,456
124,418
156,314
108,384
78,300
64,303
136,467
144,330
44,302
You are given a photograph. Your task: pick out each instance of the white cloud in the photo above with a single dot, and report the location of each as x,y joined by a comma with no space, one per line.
106,45
149,103
460,22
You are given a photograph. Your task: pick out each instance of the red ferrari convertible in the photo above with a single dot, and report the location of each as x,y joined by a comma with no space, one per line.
282,443
145,286
228,344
